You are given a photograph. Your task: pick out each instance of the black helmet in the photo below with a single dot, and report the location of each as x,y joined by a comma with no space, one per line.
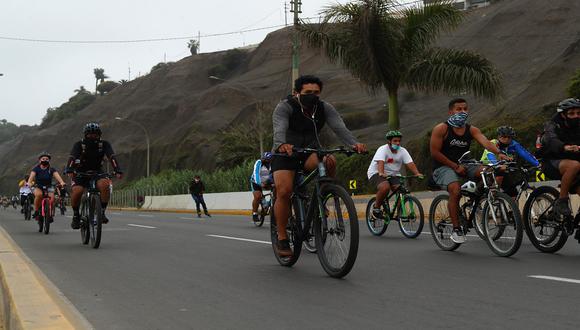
44,154
568,104
506,131
92,128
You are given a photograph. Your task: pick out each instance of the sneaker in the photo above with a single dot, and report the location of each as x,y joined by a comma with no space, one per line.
457,236
76,222
377,213
255,217
283,248
561,208
199,215
207,213
105,219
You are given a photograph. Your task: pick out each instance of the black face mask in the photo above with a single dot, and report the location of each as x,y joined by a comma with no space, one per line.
45,162
308,101
573,122
503,145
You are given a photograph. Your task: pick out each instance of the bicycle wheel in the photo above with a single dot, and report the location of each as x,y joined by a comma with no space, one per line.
261,215
502,225
293,234
543,229
95,220
85,232
440,223
336,231
27,210
310,241
377,227
412,224
47,217
478,218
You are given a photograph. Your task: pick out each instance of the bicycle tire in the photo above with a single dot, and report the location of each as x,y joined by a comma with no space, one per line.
554,241
47,217
95,220
496,239
293,236
326,231
440,223
310,241
27,210
374,225
478,218
40,223
84,221
261,216
412,226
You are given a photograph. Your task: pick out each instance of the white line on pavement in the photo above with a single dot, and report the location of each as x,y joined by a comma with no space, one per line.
116,213
141,226
145,215
554,278
240,239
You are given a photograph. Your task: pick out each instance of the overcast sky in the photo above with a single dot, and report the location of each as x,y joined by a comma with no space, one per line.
38,75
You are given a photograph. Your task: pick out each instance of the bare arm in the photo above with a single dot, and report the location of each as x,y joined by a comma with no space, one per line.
31,178
413,168
481,139
381,167
59,179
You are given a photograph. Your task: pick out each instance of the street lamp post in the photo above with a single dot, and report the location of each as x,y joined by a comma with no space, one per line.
146,137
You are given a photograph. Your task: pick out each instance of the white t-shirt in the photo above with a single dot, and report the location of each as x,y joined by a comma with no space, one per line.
393,161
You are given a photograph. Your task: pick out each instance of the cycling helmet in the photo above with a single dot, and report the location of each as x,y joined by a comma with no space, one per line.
506,131
393,133
568,104
267,156
43,154
92,128
469,186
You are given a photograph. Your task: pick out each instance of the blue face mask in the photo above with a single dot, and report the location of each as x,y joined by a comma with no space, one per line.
458,120
395,147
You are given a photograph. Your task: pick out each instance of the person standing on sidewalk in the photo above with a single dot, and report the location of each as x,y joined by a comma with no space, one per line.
196,189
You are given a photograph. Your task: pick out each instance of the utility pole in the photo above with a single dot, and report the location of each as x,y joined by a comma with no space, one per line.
285,14
296,9
198,42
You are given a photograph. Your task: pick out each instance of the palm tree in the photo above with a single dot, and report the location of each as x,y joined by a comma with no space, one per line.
388,48
99,75
81,90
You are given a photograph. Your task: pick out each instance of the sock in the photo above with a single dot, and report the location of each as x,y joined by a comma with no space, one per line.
76,210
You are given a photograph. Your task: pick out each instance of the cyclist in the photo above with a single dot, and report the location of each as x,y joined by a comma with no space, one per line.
43,175
261,179
297,120
506,143
87,156
449,141
561,144
388,161
25,192
61,195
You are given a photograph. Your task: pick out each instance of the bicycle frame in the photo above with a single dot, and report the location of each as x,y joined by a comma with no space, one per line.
399,194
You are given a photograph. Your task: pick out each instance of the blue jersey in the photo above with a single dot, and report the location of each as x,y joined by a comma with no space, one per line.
513,149
43,176
261,173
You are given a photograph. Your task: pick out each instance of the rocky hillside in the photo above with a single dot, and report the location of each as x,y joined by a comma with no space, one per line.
535,44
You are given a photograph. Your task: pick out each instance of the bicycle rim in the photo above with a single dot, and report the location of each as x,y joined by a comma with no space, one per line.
543,230
440,223
261,215
411,224
310,241
336,231
377,227
504,231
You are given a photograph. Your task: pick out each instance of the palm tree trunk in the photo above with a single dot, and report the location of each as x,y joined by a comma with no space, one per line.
393,109
96,84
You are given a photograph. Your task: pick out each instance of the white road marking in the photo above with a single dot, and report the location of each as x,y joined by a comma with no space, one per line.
141,226
116,213
240,239
68,216
145,215
554,278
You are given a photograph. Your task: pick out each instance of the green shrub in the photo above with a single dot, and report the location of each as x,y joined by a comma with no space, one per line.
574,86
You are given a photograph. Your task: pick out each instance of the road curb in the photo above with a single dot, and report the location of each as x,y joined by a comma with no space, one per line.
29,299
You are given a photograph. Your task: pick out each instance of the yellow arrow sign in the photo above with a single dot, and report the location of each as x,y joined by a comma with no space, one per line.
352,184
540,176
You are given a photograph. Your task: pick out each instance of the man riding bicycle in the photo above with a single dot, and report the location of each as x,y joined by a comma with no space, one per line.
261,179
297,121
508,145
43,174
388,161
449,141
24,191
87,156
561,153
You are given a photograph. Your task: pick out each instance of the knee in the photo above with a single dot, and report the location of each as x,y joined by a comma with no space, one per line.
330,162
283,192
454,190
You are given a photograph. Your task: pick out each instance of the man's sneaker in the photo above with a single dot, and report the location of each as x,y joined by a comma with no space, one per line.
377,213
105,219
457,236
255,217
76,222
283,248
207,213
561,208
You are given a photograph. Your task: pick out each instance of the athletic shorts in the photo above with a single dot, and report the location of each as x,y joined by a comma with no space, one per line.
445,175
290,163
376,180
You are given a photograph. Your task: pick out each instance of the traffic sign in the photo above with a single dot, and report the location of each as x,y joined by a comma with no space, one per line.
540,176
352,184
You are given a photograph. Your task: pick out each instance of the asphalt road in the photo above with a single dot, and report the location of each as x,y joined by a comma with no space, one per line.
166,271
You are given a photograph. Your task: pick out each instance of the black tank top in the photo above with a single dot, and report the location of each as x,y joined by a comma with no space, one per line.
454,146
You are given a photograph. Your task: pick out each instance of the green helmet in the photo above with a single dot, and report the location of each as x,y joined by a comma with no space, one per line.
393,133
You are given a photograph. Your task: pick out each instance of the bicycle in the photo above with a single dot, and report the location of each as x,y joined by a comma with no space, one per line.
264,207
547,232
329,210
27,207
407,211
46,215
501,220
91,221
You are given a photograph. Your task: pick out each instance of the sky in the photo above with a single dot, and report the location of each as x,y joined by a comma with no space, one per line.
38,75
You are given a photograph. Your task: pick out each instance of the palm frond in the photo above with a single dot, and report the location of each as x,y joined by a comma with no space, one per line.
455,71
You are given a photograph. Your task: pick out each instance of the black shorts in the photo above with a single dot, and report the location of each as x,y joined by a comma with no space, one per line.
82,181
551,167
256,187
290,163
376,180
